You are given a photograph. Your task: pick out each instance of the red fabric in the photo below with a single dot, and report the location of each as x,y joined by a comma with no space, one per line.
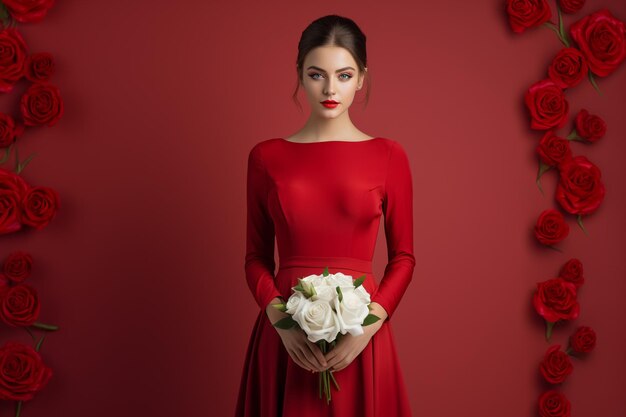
323,202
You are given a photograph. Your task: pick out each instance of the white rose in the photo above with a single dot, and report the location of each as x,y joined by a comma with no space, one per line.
318,320
351,313
340,279
294,303
325,293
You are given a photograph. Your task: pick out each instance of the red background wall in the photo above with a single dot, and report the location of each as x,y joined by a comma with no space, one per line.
143,267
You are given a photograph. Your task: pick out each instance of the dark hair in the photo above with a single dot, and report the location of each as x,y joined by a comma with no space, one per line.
333,30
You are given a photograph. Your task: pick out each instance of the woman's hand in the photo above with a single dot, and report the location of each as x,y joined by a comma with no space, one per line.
305,353
349,347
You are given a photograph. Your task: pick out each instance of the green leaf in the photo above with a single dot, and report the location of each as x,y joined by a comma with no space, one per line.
40,342
325,272
44,326
340,293
285,323
359,281
281,307
371,318
592,80
579,219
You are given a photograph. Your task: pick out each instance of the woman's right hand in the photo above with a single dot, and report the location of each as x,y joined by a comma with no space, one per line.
303,352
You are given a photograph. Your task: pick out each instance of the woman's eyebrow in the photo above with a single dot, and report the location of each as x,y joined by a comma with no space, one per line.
339,70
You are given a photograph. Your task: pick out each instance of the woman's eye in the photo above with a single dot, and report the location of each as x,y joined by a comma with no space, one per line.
313,75
348,76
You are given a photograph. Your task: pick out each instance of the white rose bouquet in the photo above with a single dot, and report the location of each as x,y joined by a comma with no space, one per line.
326,307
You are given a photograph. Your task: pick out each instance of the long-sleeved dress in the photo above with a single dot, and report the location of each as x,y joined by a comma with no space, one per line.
323,201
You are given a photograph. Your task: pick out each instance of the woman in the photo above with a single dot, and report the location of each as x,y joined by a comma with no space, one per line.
321,192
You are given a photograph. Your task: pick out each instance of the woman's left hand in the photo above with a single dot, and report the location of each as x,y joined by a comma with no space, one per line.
349,347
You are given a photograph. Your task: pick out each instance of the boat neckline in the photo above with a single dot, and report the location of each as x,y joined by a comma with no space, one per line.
332,141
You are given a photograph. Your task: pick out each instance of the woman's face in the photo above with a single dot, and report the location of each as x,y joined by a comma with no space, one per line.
330,73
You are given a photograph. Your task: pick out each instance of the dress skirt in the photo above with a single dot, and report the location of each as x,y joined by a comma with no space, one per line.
273,385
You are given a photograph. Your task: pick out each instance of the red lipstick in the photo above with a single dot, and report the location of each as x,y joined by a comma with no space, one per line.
330,104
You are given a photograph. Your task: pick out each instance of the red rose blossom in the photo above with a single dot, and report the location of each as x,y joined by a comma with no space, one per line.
572,271
580,189
556,365
12,190
39,206
39,67
547,105
524,14
553,150
41,104
583,340
28,11
19,305
17,266
568,68
551,227
589,126
602,39
555,299
22,372
554,404
12,58
571,6
9,130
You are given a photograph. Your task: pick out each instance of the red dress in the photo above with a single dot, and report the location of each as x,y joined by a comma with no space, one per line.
323,202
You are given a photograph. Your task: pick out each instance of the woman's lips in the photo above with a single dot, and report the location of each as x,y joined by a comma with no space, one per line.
330,104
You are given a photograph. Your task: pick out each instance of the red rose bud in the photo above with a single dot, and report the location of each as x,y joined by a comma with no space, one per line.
589,127
571,6
12,191
19,305
572,272
555,299
568,68
30,11
554,404
526,14
553,150
17,266
551,227
22,372
556,365
547,105
15,50
602,40
580,189
583,340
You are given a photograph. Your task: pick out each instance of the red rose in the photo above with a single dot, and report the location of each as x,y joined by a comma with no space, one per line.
524,14
17,266
26,11
572,272
12,58
39,67
39,207
589,126
554,404
553,150
568,68
19,305
12,190
555,299
602,39
9,130
580,189
41,104
4,281
22,372
583,340
571,6
551,227
556,365
547,105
